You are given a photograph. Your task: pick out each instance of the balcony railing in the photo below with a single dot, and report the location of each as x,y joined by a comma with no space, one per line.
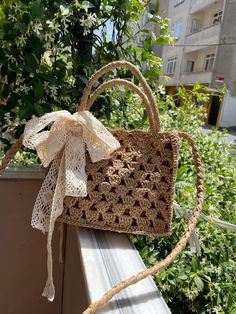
104,259
203,39
193,77
202,4
94,260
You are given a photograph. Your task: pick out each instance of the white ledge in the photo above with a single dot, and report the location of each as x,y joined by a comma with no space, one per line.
21,172
109,257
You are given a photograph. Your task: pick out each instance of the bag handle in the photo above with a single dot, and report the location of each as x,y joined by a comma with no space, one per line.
129,84
10,154
16,146
180,244
151,108
112,83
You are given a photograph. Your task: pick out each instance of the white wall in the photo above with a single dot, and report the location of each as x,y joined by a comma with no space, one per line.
228,113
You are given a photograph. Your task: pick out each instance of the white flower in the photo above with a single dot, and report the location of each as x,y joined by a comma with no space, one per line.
16,7
12,18
47,46
6,44
54,26
53,90
46,85
38,28
67,99
23,88
47,57
11,59
161,89
64,10
49,37
65,22
21,41
88,22
19,80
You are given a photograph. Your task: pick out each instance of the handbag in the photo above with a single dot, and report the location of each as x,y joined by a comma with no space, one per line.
120,180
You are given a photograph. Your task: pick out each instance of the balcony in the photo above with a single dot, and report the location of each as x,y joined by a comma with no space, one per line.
202,5
203,39
193,77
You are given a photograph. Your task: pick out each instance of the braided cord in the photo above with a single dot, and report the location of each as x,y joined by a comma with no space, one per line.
153,113
179,246
10,154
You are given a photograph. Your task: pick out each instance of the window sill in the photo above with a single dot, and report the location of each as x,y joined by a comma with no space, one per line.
176,5
23,172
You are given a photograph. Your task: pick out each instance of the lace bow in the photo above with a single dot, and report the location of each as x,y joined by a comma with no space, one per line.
64,147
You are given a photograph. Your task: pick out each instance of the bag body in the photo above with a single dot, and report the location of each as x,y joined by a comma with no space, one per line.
133,190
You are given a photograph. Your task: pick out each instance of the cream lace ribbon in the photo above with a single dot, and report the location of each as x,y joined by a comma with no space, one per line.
64,147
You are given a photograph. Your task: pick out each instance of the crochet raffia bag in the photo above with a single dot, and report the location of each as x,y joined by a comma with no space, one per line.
109,179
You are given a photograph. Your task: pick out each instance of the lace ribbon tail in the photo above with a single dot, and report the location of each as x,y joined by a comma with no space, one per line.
57,209
49,290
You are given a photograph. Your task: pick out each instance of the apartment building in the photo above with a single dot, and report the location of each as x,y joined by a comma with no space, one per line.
204,52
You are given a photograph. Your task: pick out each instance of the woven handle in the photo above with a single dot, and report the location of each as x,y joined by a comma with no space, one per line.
151,107
179,246
10,154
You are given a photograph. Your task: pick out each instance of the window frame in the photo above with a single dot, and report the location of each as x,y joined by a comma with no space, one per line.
196,26
190,68
209,62
171,65
217,17
177,27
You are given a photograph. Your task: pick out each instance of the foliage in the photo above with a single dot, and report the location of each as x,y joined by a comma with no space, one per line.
46,52
45,57
203,282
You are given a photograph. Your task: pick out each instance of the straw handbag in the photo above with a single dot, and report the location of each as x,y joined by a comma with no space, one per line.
109,179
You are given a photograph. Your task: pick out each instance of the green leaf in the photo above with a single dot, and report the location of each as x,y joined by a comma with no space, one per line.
199,283
61,73
26,18
163,40
147,43
183,277
35,43
194,263
37,9
20,26
145,55
31,61
196,86
156,8
39,109
38,90
138,50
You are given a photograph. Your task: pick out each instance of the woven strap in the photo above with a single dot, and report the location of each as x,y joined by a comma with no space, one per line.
112,83
151,106
179,246
10,154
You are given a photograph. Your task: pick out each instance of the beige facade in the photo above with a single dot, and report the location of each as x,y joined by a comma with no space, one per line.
204,50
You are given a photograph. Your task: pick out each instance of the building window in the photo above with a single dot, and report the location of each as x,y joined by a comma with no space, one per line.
177,2
171,65
209,62
217,17
196,26
176,29
189,66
